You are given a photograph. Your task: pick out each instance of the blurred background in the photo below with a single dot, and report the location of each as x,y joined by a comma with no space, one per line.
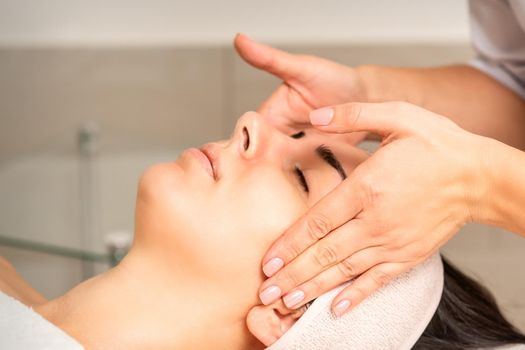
92,93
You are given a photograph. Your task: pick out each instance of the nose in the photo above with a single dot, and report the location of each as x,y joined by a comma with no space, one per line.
255,138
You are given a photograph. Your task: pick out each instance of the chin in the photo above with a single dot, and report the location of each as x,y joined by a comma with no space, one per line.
160,179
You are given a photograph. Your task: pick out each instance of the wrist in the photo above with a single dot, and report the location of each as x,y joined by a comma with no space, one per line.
489,187
382,84
503,204
368,80
478,182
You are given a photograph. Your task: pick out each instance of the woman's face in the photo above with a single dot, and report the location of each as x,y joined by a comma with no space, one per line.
217,220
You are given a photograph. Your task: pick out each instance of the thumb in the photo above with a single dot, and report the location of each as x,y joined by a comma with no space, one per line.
383,119
279,63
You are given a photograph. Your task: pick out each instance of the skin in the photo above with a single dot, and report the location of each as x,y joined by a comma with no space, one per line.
191,277
441,168
467,96
182,265
12,284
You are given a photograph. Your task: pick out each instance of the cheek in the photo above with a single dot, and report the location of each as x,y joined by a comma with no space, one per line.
219,230
265,206
166,196
249,214
237,220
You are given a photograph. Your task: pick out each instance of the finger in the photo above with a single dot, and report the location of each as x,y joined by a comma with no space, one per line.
277,62
285,111
351,138
327,252
355,138
366,284
348,269
381,118
337,207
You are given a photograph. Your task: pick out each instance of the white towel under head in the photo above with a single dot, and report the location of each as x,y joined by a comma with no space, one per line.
394,317
22,328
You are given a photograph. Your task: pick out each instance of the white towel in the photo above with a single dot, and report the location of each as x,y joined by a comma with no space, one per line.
22,328
394,317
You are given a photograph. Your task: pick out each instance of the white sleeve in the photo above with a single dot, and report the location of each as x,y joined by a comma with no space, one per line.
499,40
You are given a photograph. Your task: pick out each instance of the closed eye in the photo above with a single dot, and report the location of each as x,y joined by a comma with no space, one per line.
302,180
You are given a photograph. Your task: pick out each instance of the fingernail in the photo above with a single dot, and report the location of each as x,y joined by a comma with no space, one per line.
341,307
293,298
270,294
272,266
321,116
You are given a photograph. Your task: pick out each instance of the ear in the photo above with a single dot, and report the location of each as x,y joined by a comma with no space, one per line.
268,323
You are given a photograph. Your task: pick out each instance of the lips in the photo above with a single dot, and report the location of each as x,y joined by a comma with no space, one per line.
208,156
211,151
202,159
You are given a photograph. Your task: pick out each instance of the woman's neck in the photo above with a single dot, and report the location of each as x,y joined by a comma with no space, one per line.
143,304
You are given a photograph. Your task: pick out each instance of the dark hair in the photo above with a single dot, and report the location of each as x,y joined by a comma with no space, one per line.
467,317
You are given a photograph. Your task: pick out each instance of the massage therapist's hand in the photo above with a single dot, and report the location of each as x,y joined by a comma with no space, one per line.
309,83
397,208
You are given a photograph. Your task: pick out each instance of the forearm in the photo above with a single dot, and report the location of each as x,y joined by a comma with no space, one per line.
11,283
501,193
472,99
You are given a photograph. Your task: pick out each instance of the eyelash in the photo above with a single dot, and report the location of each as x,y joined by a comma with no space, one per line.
302,179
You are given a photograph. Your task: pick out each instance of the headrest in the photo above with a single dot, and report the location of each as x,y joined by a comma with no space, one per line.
394,317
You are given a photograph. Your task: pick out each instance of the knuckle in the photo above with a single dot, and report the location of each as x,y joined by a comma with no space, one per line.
292,246
359,292
370,190
408,112
352,113
318,285
347,268
420,250
318,226
269,63
379,277
325,255
286,279
394,246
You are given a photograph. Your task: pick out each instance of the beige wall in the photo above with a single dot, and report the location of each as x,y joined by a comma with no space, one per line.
199,22
149,103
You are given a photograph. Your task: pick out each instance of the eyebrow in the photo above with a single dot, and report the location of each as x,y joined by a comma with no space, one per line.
326,155
329,158
298,135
